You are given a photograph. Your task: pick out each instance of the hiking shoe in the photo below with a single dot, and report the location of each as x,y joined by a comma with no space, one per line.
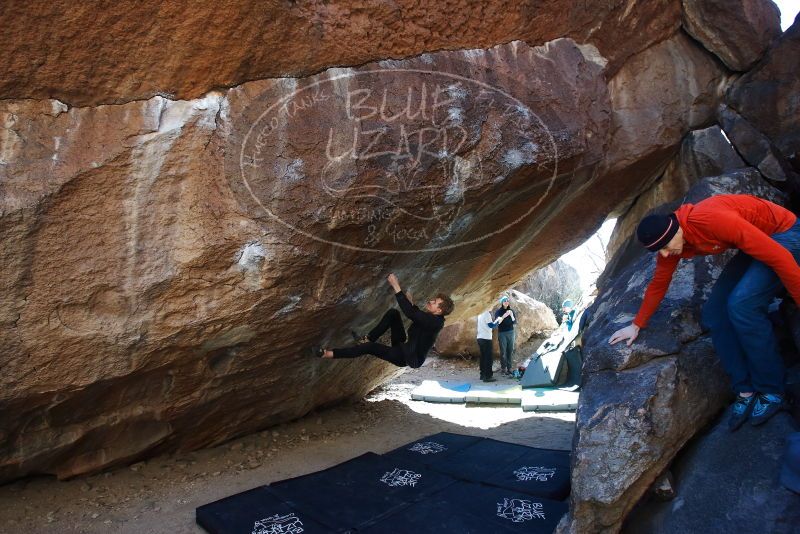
766,405
490,379
741,411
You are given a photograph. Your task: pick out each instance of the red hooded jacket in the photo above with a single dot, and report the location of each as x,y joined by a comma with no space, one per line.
717,224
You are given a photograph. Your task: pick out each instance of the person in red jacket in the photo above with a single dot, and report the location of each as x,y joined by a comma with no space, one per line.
768,239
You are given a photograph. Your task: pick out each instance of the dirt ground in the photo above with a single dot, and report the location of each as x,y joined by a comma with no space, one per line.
161,494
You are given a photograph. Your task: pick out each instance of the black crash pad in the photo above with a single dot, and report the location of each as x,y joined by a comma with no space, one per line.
469,508
504,488
360,491
432,449
481,460
256,511
540,472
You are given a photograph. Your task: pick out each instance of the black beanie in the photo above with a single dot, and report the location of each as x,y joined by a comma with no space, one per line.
655,231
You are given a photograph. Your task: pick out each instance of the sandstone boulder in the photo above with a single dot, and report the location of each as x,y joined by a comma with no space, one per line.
85,55
152,301
641,404
651,109
737,32
168,262
645,125
762,116
756,148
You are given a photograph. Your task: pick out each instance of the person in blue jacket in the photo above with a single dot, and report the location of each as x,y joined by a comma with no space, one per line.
568,310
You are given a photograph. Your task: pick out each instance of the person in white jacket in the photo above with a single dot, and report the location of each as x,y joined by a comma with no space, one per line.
485,325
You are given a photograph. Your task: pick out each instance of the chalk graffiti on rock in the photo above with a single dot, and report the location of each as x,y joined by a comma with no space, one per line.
389,160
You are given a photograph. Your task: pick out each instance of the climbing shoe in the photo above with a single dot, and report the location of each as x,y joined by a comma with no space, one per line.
741,411
317,351
766,405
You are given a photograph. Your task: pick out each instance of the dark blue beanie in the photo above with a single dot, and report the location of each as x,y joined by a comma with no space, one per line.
655,231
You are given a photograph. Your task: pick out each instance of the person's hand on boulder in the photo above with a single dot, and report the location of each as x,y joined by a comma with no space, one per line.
629,334
394,282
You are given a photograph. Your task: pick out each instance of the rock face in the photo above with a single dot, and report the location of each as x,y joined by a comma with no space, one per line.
640,404
708,500
552,285
534,320
756,148
83,55
737,32
646,95
168,262
646,131
762,115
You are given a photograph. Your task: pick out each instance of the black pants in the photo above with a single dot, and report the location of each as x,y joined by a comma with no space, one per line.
486,357
395,354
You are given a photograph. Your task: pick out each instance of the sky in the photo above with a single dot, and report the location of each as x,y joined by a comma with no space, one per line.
789,9
589,258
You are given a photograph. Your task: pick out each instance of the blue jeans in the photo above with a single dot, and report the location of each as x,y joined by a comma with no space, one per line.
506,342
736,314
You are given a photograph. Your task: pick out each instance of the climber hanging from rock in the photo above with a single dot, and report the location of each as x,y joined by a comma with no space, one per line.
768,239
407,348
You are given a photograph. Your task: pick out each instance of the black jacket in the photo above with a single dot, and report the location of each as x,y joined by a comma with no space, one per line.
422,332
507,323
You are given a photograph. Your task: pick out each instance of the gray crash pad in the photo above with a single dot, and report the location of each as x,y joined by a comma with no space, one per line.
545,366
495,394
549,400
441,391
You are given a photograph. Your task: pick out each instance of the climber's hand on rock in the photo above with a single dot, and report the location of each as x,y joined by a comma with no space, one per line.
394,282
629,333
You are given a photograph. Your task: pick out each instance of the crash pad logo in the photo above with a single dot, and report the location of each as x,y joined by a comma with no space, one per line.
538,474
401,477
519,510
427,447
393,160
279,524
